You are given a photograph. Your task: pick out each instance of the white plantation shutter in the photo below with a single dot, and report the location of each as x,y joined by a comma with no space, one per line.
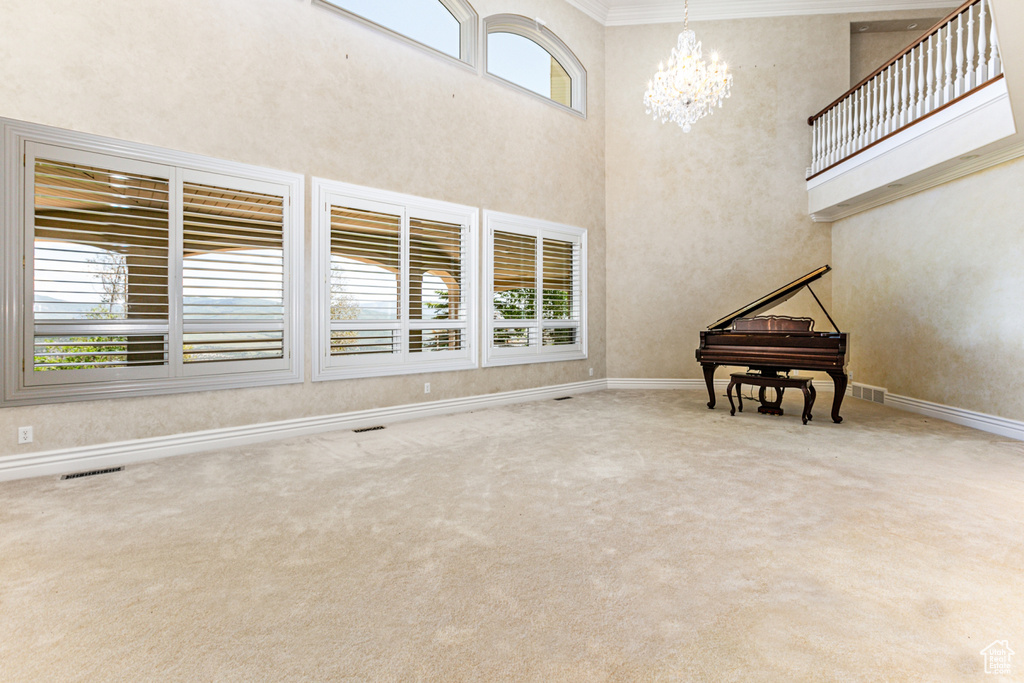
232,274
437,308
365,284
514,293
536,275
98,268
561,293
396,293
143,271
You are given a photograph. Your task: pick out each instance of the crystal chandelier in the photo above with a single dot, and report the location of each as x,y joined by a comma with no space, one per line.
689,88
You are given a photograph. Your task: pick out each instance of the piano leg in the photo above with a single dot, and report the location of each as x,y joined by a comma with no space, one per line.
840,380
709,379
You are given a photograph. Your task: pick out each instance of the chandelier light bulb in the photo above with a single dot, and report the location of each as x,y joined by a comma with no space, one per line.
689,88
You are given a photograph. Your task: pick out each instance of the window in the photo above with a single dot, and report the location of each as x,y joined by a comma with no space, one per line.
395,289
145,271
536,290
524,53
447,26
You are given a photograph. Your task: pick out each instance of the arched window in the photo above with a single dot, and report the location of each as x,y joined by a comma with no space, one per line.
525,53
447,26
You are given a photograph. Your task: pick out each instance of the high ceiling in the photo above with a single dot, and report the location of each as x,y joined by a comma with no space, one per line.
625,12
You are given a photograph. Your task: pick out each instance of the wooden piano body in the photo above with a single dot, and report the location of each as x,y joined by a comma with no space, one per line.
775,344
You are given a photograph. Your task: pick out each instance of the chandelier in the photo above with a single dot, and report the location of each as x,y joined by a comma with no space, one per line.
689,88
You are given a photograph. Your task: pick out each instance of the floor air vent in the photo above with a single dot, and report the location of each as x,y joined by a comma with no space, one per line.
563,398
91,473
369,429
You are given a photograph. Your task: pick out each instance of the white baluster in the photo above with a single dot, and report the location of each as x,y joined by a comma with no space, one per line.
911,102
851,145
929,92
904,93
862,120
834,141
983,44
921,91
868,112
844,147
876,108
828,138
890,109
969,72
851,125
995,66
840,131
947,72
958,73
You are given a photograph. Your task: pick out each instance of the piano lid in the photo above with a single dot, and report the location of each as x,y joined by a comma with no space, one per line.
774,299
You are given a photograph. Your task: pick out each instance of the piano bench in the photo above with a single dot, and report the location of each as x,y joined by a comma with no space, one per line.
780,384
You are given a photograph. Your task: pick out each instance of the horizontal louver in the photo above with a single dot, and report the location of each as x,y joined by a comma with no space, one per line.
510,337
232,274
100,267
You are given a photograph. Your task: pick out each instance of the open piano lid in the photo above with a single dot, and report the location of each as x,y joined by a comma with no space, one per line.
774,299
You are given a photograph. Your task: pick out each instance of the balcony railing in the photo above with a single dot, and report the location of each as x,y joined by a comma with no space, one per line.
957,57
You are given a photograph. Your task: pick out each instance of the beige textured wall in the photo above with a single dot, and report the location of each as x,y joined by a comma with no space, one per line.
868,51
930,287
704,222
284,84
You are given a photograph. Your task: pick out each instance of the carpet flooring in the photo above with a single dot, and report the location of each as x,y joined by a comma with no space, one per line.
617,536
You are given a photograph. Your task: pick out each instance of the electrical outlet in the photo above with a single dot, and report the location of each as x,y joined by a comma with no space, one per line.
591,372
426,387
24,435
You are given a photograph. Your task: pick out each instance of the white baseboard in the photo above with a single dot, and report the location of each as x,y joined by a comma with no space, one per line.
993,424
650,383
55,462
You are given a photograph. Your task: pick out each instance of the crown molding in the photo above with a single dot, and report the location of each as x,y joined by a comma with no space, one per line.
609,13
595,9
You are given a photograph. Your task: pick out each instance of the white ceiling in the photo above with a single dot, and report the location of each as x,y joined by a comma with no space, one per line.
626,12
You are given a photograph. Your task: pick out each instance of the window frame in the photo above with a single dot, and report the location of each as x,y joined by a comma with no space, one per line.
17,287
540,229
533,30
324,367
469,23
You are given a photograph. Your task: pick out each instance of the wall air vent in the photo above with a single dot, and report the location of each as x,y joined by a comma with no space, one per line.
868,393
91,473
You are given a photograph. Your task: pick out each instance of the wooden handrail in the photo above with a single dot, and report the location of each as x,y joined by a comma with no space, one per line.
925,36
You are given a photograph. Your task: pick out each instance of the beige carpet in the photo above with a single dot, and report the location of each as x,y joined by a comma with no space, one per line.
619,536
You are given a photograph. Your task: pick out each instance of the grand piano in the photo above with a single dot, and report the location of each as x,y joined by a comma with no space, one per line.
770,345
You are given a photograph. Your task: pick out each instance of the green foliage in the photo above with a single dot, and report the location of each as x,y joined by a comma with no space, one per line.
521,304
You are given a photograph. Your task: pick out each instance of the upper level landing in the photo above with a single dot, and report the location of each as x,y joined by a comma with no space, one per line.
941,109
